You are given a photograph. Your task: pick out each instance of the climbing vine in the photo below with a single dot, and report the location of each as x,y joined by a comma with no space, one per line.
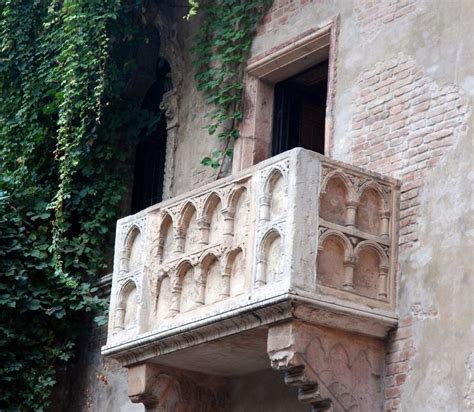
221,48
66,129
65,134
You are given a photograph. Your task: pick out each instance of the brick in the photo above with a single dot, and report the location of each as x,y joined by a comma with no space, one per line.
403,332
403,124
377,148
437,135
397,368
392,392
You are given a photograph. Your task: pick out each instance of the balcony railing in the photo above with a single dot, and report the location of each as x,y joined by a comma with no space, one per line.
297,235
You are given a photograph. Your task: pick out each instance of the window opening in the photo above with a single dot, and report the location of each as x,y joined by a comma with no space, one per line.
300,110
149,167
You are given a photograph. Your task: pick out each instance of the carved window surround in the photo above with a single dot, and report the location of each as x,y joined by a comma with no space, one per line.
264,71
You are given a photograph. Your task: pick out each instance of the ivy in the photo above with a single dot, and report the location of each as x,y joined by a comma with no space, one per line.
221,48
65,134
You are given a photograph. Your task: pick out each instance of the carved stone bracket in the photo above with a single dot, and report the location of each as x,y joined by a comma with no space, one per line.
161,388
332,371
286,349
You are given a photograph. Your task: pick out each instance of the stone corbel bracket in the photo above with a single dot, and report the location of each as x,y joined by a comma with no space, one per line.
286,352
333,372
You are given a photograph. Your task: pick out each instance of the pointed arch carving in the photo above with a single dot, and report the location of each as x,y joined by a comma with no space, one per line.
210,223
209,284
132,249
163,297
337,194
373,209
126,310
274,200
166,237
335,260
237,214
269,258
234,273
188,232
371,270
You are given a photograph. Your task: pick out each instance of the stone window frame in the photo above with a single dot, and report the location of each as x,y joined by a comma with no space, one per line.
264,71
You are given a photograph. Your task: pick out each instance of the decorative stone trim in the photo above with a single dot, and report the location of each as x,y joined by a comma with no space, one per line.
171,109
263,72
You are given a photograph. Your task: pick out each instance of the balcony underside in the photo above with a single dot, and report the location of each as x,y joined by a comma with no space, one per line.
212,344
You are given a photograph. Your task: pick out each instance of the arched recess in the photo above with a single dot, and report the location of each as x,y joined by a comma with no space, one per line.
371,206
189,228
213,217
239,204
187,298
371,266
270,258
212,278
166,240
335,194
164,298
236,270
132,250
127,307
276,190
334,253
148,86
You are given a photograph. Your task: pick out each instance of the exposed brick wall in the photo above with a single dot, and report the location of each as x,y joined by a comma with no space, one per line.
279,14
399,354
371,15
403,124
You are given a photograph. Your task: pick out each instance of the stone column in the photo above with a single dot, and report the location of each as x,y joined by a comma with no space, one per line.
200,285
349,265
119,318
261,271
351,211
203,227
228,232
124,260
264,211
226,283
382,283
179,238
384,223
175,299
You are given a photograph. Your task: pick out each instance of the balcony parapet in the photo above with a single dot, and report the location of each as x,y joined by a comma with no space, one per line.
297,236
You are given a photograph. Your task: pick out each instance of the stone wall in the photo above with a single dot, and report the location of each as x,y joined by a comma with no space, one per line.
402,106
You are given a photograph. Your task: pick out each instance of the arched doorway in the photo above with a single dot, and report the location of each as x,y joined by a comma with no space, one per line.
150,153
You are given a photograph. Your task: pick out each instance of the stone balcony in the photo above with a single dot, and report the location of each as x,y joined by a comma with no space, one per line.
289,265
297,236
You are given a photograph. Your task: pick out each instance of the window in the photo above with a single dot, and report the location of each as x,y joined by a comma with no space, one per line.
299,111
289,98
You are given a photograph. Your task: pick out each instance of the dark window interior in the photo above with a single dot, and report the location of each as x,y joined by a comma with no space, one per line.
300,111
151,150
